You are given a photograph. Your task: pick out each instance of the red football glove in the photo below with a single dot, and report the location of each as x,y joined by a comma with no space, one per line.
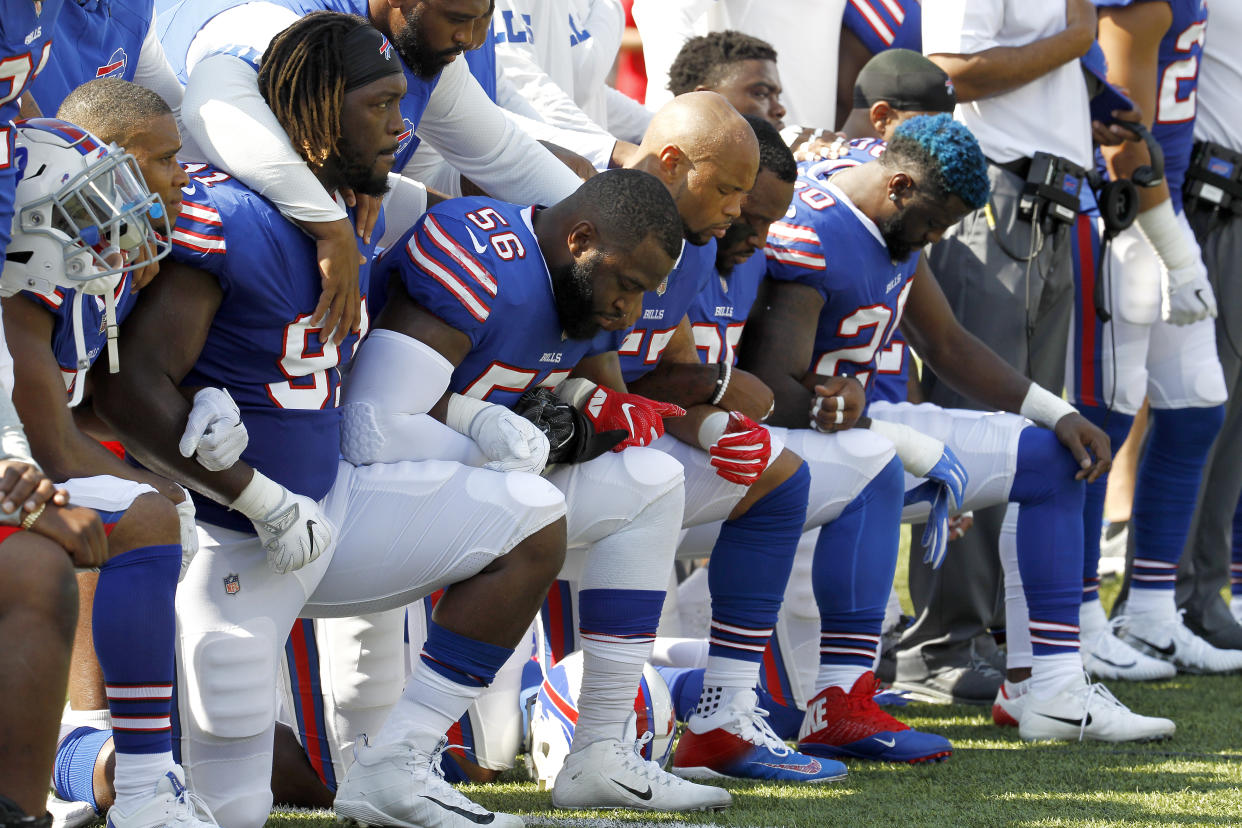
743,451
641,417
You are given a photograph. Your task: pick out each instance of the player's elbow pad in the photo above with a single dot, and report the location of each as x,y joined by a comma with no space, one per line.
395,380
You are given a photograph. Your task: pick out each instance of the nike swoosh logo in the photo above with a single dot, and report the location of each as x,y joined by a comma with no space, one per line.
1112,663
625,409
1168,650
1071,722
478,248
643,795
477,819
888,743
810,768
310,533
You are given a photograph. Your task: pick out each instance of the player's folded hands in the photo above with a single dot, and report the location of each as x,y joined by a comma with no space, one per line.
609,410
742,453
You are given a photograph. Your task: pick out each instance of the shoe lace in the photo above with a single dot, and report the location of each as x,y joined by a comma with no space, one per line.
1094,691
189,808
752,725
632,760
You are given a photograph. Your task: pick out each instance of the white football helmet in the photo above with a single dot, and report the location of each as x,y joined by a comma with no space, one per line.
555,712
82,214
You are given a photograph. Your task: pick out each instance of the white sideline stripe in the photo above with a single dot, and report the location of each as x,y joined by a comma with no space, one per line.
559,822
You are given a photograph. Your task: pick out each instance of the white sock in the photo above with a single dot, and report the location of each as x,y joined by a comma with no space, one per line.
1154,603
98,719
722,680
610,675
838,675
137,775
1050,674
1091,620
428,707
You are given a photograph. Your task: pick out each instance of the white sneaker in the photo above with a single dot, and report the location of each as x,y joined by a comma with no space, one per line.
1088,711
1174,643
170,806
1235,607
1113,539
1010,701
1106,656
400,785
66,814
612,773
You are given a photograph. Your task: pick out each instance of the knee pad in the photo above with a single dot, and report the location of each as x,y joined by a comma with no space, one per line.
365,659
230,677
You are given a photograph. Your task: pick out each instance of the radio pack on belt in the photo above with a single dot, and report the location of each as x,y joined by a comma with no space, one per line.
1052,185
1214,180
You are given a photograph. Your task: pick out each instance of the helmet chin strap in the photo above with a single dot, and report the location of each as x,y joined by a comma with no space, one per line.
114,355
79,341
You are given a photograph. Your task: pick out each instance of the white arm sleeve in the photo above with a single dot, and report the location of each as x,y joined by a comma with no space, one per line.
155,73
404,202
627,118
593,144
664,26
473,135
384,417
228,123
13,444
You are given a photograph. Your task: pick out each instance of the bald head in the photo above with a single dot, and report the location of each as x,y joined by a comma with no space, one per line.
706,155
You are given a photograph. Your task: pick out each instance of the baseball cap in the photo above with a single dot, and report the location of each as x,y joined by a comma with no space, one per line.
904,80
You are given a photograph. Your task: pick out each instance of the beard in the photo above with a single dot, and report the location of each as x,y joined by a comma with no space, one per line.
414,53
734,239
698,239
358,175
893,231
573,286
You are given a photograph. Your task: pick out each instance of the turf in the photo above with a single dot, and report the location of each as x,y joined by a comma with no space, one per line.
992,779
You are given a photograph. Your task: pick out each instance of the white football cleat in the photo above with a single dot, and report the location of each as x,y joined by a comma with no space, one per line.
612,773
169,806
1088,711
1170,640
400,785
66,814
1010,701
1106,656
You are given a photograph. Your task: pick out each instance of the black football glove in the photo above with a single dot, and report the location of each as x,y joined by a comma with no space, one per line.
570,434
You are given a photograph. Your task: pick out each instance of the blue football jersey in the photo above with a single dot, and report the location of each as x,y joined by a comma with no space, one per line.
60,302
885,24
262,346
180,20
825,242
475,264
663,310
107,38
718,314
26,33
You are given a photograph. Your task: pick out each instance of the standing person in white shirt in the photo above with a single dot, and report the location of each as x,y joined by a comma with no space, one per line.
1205,562
804,32
1015,68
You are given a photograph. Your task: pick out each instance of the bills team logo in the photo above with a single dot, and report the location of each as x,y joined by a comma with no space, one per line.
406,134
385,48
232,583
950,88
114,68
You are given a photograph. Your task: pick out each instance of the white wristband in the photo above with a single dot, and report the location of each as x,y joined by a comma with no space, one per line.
259,498
1161,227
1044,407
712,428
461,412
918,452
575,391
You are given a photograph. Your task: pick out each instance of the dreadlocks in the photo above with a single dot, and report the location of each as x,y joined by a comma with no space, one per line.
302,79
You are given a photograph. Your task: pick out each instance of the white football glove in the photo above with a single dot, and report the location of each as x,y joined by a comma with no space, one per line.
189,532
214,433
512,442
292,528
1186,295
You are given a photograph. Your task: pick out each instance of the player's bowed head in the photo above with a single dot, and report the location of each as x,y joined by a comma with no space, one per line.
707,156
609,242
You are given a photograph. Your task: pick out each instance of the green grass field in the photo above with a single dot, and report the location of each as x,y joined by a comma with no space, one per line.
992,779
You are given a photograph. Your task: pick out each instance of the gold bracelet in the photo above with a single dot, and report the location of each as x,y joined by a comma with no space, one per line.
29,520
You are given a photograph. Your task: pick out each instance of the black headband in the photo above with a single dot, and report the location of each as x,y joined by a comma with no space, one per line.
368,57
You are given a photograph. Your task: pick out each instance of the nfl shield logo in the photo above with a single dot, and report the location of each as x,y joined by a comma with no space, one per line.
232,583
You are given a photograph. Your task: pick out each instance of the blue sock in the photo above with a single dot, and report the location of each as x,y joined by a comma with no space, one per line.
1050,540
462,660
135,630
1117,426
855,558
73,774
1235,580
750,566
1165,491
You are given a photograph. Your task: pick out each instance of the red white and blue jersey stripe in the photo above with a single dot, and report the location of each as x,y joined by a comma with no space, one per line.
26,34
475,264
662,311
103,38
885,24
263,346
825,242
180,20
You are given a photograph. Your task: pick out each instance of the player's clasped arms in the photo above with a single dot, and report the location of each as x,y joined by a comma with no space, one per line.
393,402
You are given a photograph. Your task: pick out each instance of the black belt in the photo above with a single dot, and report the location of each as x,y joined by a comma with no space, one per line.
1021,167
